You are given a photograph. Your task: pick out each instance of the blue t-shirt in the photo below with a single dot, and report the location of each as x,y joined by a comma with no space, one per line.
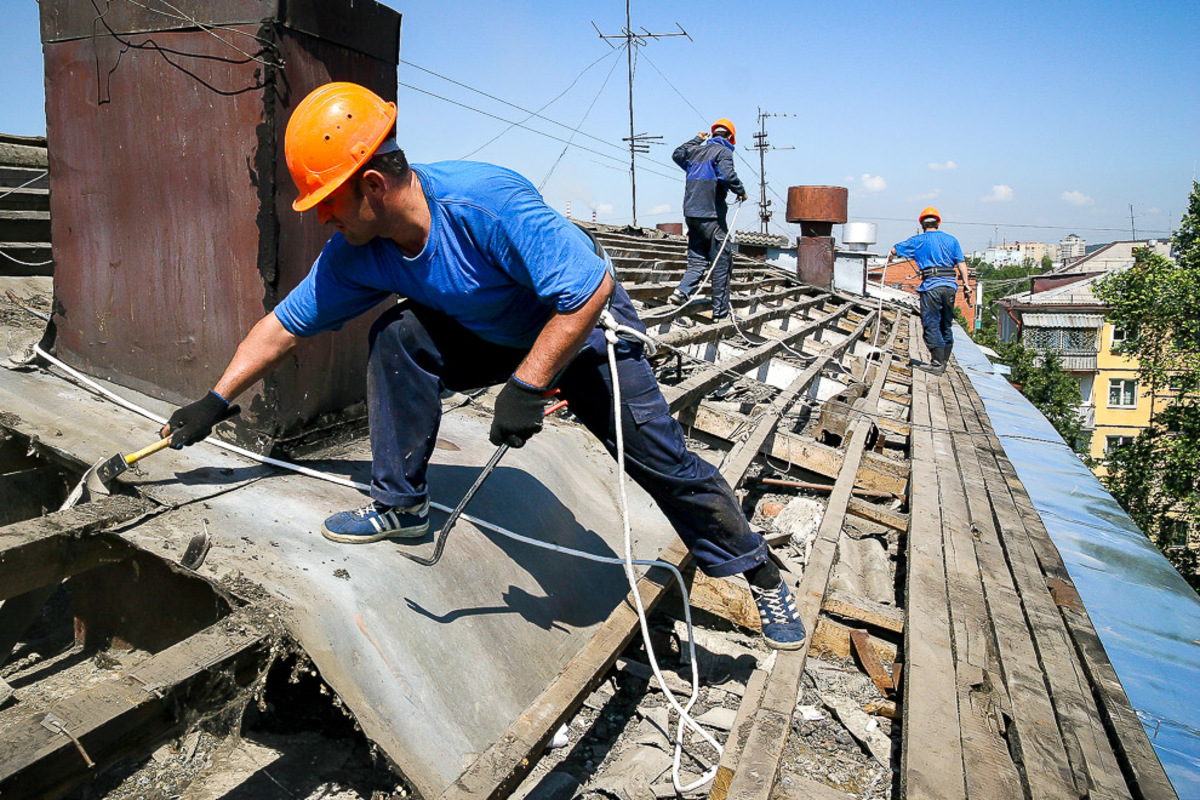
498,260
932,249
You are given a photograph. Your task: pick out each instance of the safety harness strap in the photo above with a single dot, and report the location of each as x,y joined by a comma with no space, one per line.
939,271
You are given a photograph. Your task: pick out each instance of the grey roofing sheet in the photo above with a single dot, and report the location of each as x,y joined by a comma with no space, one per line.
435,662
1145,613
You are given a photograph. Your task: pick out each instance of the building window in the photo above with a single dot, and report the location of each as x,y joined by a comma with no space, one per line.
1174,533
1121,335
1061,339
1122,393
1116,441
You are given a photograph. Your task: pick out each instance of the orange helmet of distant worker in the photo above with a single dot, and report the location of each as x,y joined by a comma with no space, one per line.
930,211
330,135
727,125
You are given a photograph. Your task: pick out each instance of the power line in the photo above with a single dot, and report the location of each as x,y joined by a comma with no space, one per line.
523,126
1020,225
581,121
531,114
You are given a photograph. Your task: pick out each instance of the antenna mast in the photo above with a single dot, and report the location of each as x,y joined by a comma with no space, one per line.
638,143
762,146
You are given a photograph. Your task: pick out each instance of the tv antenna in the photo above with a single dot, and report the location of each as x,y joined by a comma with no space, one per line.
638,143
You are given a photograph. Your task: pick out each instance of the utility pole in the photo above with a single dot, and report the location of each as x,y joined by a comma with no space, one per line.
1132,230
638,143
762,146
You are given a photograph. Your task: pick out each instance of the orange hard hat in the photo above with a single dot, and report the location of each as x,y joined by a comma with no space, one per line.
330,135
724,123
930,211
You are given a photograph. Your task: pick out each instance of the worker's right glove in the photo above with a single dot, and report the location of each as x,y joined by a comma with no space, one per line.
741,198
194,422
518,416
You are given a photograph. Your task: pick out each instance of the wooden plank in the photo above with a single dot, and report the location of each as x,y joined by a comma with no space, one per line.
708,333
738,460
44,550
696,386
931,753
831,639
988,764
1047,766
869,658
875,512
756,772
878,473
130,714
1093,760
737,736
501,766
860,610
725,599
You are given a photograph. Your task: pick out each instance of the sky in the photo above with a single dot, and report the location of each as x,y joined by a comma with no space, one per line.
1020,121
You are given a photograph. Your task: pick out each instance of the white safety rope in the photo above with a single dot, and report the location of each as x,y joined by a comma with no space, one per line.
613,334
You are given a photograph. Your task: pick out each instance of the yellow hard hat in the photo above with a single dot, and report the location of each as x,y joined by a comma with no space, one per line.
330,135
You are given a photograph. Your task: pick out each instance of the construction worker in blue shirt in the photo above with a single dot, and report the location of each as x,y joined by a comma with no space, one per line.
499,289
939,258
708,160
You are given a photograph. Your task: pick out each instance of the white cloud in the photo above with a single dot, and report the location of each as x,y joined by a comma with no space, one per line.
945,166
665,208
1077,198
604,208
873,183
1000,194
924,197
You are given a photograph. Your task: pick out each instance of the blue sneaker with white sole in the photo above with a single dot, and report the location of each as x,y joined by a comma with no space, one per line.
377,521
781,623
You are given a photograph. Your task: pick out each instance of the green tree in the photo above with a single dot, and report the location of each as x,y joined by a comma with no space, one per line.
1157,477
1041,379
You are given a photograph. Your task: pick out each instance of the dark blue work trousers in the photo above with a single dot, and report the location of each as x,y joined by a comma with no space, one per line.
417,352
705,237
937,315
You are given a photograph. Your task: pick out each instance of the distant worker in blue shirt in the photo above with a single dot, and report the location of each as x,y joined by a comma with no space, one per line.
498,289
939,258
708,161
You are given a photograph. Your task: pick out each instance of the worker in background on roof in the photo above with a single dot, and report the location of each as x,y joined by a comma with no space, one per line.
498,288
708,161
939,257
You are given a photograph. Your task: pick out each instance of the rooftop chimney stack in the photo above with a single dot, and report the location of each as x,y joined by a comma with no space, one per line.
171,201
817,209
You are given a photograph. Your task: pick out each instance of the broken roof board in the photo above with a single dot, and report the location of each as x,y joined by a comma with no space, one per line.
434,663
1145,613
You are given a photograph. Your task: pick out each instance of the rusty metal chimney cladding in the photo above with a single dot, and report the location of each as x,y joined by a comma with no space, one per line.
170,198
817,209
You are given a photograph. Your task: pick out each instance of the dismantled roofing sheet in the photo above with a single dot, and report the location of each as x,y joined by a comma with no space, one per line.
1145,613
435,663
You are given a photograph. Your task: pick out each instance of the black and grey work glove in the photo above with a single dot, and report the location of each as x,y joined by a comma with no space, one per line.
519,409
195,421
741,198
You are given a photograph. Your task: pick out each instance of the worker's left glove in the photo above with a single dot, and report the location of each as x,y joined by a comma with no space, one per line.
519,408
741,198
